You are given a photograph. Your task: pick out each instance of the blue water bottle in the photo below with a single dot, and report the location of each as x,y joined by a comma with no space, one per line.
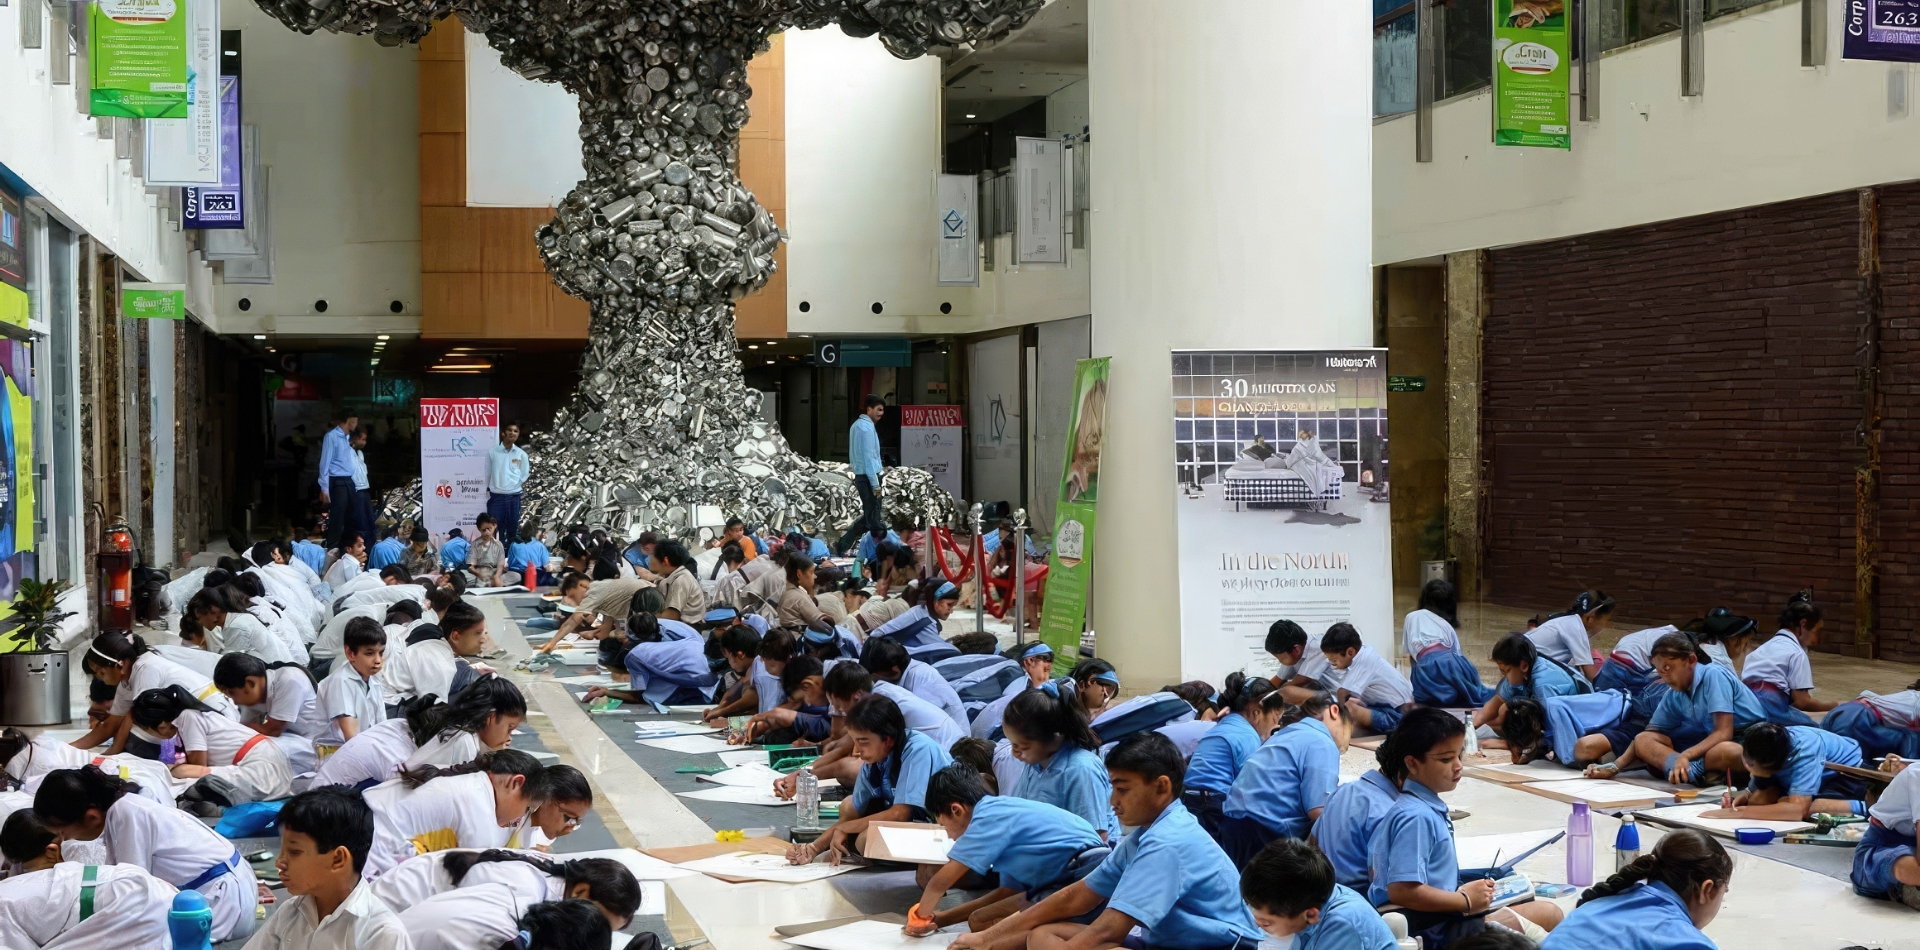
191,922
1626,843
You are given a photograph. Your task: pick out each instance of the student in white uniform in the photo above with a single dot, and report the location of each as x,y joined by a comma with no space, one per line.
194,658
276,616
429,664
474,805
369,580
1778,671
224,609
1886,865
352,556
325,651
233,763
1568,637
27,762
569,798
351,698
126,662
531,877
278,700
87,805
491,917
1304,669
1374,693
325,834
52,902
482,716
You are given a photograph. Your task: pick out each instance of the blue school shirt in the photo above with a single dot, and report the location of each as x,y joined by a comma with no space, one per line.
766,685
658,669
920,757
524,554
1545,679
454,553
1295,772
1812,748
1646,916
1715,689
1030,843
387,551
1175,881
926,682
1346,826
1075,780
1570,717
1413,843
1217,759
1347,922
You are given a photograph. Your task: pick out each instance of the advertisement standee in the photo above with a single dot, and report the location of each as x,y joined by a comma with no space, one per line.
930,438
1070,563
1532,76
455,435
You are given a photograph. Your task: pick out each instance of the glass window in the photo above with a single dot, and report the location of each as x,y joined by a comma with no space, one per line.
1395,57
1468,42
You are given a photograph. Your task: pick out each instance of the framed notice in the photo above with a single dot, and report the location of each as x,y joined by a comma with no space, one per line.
1040,201
1887,30
930,438
455,435
959,249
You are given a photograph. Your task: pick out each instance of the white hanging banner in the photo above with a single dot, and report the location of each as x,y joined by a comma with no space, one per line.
957,203
930,438
182,152
1040,200
455,435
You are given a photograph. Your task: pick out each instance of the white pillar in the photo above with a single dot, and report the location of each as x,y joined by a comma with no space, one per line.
1231,208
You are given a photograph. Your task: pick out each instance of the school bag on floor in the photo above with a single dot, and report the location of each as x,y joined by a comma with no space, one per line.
1140,714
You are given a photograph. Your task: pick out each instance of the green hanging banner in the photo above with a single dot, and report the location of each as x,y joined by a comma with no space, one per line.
1070,565
1532,73
138,52
155,301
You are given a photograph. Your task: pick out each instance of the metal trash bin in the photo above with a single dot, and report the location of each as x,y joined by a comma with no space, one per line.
34,689
1446,570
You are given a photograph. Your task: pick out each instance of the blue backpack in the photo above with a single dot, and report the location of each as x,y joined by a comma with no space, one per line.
1140,714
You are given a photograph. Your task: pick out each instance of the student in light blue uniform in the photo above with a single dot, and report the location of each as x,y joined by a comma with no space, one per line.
1883,724
896,764
666,671
1291,890
1884,865
1701,719
1346,824
1442,675
1778,670
1036,849
1574,730
388,551
1373,692
888,661
1568,637
1629,668
1287,781
1167,877
1217,758
1789,775
1411,857
1525,674
776,648
1048,733
919,628
1659,902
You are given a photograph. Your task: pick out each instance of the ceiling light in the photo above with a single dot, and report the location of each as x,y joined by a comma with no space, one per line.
769,362
972,116
376,362
446,367
383,336
753,346
259,336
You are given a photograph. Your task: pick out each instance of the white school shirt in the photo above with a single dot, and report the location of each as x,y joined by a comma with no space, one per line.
198,660
421,877
219,737
444,750
1424,628
361,922
344,569
291,699
44,754
289,586
1374,681
169,843
469,918
331,641
924,681
451,812
153,671
1719,653
244,633
1781,661
373,754
922,716
281,627
1899,805
1186,736
346,693
361,583
1564,639
42,908
385,596
1901,709
1313,665
1638,645
423,668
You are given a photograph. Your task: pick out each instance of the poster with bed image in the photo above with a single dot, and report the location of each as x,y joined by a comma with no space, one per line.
1281,495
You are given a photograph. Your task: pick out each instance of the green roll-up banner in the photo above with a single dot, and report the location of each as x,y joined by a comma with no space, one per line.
1532,70
138,51
1070,566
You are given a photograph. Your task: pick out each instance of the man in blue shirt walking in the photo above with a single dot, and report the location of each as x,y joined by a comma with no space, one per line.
336,478
863,450
506,473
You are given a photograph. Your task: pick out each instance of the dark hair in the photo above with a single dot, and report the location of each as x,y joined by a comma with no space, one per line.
456,581
1683,860
957,784
973,644
441,599
1241,691
1313,707
777,645
1515,649
493,762
226,598
461,616
113,648
642,627
347,538
609,883
1287,878
1340,638
467,711
1438,597
740,638
881,716
1722,625
731,553
1495,938
66,795
484,519
1045,716
250,585
847,679
572,579
672,552
1800,612
795,567
234,668
409,610
1149,755
880,654
1284,636
571,924
1198,693
156,706
567,784
363,632
419,536
1525,729
425,632
396,572
1679,646
976,753
735,522
1420,729
1768,745
334,816
1589,602
871,401
99,691
647,600
24,838
797,671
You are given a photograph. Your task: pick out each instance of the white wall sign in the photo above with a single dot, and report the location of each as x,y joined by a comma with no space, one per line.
182,152
956,205
455,435
1040,201
930,438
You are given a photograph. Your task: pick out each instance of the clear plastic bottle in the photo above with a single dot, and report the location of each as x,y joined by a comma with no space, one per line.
806,799
1580,846
1626,843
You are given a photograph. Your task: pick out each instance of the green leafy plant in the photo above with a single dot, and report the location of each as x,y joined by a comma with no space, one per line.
37,614
1433,538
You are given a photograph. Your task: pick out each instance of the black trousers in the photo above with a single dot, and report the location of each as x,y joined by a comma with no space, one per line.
872,517
343,504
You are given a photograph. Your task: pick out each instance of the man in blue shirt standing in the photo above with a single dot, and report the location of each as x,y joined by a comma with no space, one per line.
506,472
863,450
336,478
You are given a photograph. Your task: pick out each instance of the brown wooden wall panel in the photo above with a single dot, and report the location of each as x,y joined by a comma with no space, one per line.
449,243
763,169
1899,600
1669,414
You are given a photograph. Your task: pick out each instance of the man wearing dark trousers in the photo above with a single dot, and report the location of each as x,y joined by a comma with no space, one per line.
506,472
336,478
863,450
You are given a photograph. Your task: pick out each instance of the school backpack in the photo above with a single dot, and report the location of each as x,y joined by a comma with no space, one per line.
979,677
1140,714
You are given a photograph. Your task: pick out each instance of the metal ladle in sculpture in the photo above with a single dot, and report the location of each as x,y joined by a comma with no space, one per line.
661,238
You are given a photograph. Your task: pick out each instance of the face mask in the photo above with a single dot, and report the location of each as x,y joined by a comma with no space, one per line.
1271,942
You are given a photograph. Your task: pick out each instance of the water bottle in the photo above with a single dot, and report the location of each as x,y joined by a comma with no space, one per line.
1626,844
1473,737
807,799
190,922
1397,925
1580,846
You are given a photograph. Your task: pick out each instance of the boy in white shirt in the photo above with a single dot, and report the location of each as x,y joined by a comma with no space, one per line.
351,697
1373,692
325,834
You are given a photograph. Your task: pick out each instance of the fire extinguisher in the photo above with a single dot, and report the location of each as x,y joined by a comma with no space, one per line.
115,564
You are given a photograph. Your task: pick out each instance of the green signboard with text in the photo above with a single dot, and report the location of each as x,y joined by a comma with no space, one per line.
1532,69
137,50
1070,565
155,301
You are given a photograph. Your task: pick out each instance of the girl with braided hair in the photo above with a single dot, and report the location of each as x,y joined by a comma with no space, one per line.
233,763
475,805
1659,902
532,877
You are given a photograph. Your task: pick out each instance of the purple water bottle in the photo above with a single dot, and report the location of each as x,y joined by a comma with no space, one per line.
1580,846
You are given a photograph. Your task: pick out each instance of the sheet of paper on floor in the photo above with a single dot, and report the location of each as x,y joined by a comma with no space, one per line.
1473,852
914,844
753,775
1690,815
740,757
590,679
1597,791
766,867
644,866
1538,770
688,710
688,745
738,796
869,935
653,899
659,728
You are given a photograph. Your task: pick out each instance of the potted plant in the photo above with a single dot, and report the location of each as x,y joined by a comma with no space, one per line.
33,672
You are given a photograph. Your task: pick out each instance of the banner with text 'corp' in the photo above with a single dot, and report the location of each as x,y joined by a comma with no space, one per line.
455,435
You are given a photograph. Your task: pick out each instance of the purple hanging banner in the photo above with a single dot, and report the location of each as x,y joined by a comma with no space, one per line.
1886,30
223,206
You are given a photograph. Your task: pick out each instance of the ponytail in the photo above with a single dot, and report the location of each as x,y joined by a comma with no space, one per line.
562,925
112,649
1315,706
1683,861
1198,694
1516,650
1241,692
1800,611
609,883
156,706
66,795
496,762
1589,602
469,710
226,598
234,669
1044,716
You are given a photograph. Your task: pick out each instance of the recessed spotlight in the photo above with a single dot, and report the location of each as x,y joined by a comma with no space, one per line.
972,116
769,362
383,336
259,336
753,346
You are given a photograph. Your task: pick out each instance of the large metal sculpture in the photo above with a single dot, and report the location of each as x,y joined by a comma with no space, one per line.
661,238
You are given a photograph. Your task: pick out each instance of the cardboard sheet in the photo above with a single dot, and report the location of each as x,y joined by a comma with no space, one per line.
740,796
755,866
695,852
1596,792
1538,770
1689,815
688,745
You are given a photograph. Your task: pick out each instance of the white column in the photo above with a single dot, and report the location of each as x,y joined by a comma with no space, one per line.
161,350
1232,205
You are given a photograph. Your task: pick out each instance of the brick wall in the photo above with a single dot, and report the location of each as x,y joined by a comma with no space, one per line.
1670,414
1900,394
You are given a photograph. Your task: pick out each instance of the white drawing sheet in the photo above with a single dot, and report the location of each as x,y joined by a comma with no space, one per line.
739,796
740,757
1599,791
1479,852
653,899
644,866
766,867
928,846
1689,815
688,745
869,935
661,728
